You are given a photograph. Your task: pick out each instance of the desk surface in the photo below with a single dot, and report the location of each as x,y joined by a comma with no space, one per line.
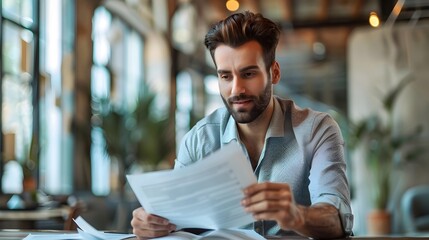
35,214
20,234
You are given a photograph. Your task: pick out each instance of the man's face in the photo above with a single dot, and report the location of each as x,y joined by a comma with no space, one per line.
244,84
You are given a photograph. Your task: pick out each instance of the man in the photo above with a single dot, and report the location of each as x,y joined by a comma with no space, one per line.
297,154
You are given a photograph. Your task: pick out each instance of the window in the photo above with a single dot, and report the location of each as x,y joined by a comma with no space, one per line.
117,84
56,96
36,95
19,82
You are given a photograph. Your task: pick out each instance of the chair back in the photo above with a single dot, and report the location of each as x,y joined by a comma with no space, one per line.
415,209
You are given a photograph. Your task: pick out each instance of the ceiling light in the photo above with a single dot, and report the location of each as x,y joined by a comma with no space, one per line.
232,5
374,21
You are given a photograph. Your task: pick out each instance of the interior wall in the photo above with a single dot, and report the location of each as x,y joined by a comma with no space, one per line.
378,59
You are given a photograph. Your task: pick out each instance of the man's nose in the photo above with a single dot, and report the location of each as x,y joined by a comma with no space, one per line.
237,86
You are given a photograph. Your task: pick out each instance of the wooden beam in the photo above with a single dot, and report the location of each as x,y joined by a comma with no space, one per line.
324,10
357,8
289,12
82,119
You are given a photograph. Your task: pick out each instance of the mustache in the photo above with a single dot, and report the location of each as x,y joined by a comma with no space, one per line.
241,97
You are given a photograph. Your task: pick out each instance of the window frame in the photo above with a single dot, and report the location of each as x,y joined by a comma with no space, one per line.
35,30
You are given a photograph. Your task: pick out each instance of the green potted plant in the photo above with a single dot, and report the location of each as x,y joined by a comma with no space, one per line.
134,137
384,150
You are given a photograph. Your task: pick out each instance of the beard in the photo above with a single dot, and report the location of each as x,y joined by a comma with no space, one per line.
260,102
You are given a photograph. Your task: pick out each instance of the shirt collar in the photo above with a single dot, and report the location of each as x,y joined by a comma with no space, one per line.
231,132
277,124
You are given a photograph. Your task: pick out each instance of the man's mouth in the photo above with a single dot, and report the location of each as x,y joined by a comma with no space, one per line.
241,101
241,104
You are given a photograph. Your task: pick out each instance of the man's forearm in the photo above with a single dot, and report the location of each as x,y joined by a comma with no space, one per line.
320,221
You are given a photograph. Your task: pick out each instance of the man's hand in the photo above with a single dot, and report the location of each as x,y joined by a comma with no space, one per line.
273,201
146,225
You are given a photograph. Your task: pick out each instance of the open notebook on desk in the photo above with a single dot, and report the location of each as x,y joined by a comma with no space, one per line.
230,234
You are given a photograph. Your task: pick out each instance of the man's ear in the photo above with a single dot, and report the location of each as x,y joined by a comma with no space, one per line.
275,72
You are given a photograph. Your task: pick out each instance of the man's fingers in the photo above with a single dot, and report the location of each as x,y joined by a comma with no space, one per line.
153,223
156,227
149,233
268,206
156,220
142,215
149,225
152,230
252,189
282,195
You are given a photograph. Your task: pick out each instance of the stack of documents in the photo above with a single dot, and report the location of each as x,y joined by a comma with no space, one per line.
206,194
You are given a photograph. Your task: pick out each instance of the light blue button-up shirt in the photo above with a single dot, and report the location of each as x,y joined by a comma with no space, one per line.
303,148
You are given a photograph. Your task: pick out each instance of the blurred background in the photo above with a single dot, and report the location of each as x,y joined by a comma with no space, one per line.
94,90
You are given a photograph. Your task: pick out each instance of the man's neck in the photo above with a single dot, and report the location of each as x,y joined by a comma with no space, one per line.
253,134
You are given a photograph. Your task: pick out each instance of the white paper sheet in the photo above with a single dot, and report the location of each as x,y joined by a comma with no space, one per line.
53,236
206,194
88,232
85,231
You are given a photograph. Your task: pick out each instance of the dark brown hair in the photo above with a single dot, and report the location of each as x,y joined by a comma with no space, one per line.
241,28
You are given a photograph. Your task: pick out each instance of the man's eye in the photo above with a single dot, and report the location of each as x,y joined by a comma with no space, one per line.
225,77
248,74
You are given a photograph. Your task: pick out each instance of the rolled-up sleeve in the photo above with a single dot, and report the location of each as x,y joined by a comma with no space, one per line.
328,181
